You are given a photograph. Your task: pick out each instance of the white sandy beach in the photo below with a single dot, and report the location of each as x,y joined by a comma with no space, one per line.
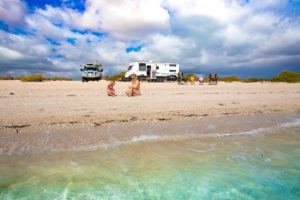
46,116
70,102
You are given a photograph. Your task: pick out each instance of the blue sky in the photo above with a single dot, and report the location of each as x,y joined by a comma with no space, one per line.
231,37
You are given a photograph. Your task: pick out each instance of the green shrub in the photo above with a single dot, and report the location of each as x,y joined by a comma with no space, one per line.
106,78
115,77
188,77
251,80
32,78
229,79
3,78
287,76
40,78
57,79
206,79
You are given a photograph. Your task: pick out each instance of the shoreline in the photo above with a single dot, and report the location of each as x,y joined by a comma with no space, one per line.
146,165
76,137
48,116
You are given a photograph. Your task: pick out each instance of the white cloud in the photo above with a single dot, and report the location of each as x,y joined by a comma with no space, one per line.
126,17
6,53
201,35
161,47
214,8
12,11
119,18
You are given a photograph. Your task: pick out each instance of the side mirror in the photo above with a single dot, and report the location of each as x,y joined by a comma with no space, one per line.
101,70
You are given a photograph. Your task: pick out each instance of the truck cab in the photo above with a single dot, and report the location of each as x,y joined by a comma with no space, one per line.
91,72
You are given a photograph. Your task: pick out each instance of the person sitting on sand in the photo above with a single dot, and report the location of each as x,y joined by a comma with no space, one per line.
192,80
134,89
110,89
201,80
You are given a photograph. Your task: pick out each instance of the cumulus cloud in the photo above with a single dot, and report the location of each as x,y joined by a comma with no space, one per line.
214,8
240,35
126,18
227,36
12,12
9,53
122,19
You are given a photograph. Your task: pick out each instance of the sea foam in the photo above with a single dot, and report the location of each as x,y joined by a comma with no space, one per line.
144,138
293,123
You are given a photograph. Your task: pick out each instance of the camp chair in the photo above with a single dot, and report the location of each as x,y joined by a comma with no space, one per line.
201,80
213,79
181,79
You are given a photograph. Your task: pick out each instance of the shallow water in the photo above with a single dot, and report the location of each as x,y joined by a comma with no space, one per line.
248,166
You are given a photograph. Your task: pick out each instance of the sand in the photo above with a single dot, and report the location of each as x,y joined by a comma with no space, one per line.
71,108
66,102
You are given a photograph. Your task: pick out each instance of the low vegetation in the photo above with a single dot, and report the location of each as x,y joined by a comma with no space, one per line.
230,79
253,80
4,78
40,78
32,78
188,77
115,77
287,76
57,79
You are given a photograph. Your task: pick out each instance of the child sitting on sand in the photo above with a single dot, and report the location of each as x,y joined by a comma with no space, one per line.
110,89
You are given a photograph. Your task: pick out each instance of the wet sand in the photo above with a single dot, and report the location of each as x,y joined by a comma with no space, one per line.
86,138
47,116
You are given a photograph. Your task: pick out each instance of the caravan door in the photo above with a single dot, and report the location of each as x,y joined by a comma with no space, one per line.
153,72
149,71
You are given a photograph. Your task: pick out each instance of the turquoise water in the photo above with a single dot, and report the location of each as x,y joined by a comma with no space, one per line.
255,166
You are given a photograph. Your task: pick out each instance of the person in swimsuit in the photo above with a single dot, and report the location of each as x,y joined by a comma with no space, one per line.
110,89
134,89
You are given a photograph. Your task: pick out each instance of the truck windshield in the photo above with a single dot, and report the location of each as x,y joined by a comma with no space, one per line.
130,67
92,68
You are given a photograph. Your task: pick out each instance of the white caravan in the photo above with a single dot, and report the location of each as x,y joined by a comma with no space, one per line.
153,71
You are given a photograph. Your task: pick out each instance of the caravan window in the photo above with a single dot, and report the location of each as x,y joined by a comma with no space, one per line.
172,70
142,66
172,65
130,67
